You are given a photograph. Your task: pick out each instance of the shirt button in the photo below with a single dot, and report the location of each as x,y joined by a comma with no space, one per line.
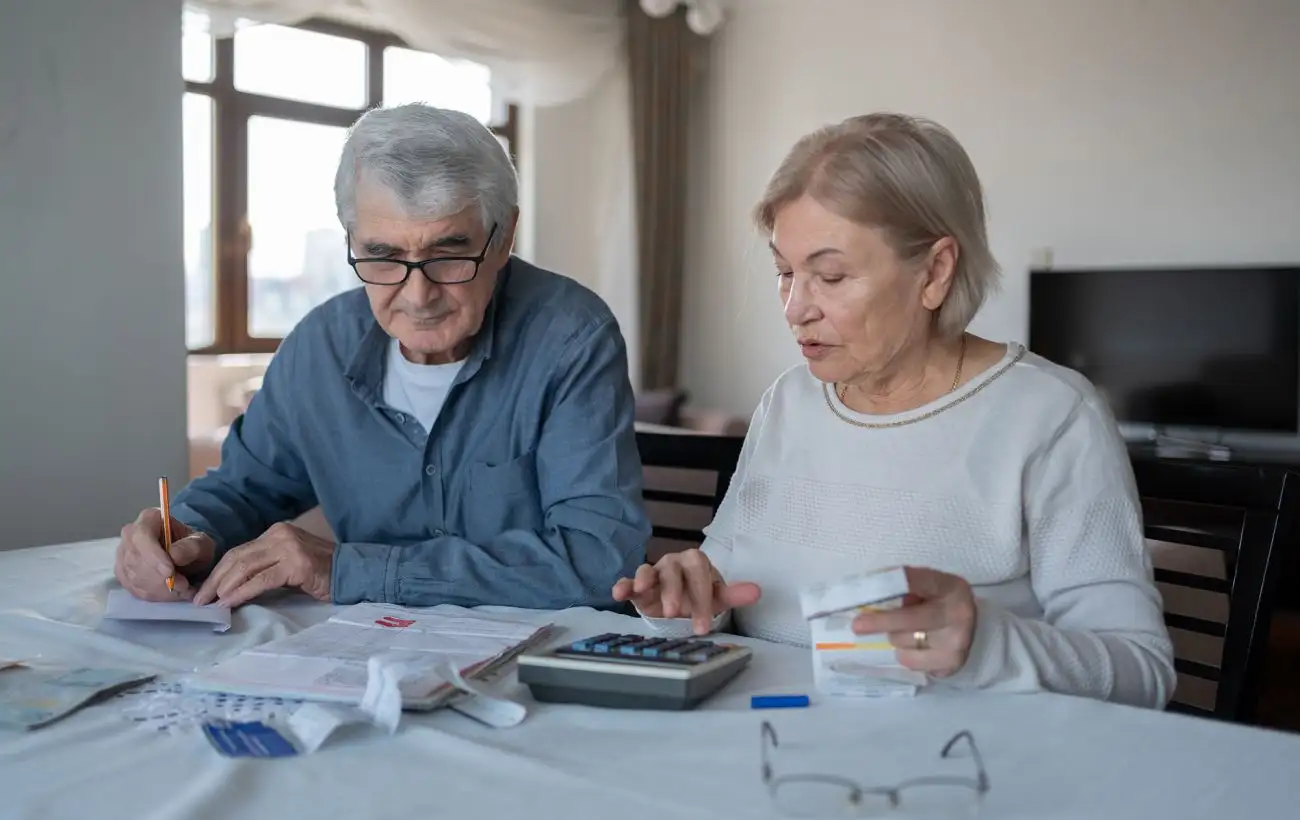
430,470
401,419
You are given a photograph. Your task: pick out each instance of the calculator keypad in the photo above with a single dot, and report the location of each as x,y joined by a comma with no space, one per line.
688,651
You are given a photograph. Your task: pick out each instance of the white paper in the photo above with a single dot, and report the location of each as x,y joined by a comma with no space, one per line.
123,606
481,705
328,661
381,706
382,700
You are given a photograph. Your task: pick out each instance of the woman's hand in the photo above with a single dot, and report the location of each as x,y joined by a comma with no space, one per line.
934,628
684,585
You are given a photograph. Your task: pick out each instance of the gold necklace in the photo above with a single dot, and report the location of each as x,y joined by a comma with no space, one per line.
961,357
842,390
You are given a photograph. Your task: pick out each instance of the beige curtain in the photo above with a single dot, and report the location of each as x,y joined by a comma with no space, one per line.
662,59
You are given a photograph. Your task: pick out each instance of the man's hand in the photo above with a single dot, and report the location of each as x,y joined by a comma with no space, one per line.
142,566
940,610
284,556
684,584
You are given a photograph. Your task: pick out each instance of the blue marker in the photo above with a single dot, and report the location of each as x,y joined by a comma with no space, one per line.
778,701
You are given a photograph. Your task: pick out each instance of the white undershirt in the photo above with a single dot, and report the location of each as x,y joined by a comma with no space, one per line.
1018,482
417,389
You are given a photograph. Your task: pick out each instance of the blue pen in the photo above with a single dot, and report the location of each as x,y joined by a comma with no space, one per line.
778,701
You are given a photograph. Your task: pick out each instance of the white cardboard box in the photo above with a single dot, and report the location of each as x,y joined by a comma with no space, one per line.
848,664
854,592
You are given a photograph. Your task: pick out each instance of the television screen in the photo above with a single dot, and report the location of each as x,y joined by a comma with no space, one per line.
1192,347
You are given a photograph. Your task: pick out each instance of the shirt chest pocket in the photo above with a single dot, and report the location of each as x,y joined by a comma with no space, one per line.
503,496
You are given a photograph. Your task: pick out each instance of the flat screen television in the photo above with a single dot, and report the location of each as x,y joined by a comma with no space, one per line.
1186,347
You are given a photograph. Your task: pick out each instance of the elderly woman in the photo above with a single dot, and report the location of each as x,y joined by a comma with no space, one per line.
997,478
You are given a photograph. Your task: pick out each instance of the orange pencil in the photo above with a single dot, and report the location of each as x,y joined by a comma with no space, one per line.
164,502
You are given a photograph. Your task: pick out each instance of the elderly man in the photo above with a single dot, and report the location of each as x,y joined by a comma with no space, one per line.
464,420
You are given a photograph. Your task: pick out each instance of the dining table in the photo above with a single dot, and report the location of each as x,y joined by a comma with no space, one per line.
142,753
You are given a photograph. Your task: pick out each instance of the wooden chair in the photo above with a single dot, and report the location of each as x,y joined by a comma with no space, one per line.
1217,533
686,478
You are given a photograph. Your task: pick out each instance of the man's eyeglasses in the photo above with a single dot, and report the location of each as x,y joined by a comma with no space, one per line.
825,795
441,270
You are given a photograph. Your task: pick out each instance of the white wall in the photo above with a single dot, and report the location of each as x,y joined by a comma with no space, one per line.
92,333
576,190
1113,131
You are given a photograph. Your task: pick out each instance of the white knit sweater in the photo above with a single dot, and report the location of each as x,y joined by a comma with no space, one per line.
1018,482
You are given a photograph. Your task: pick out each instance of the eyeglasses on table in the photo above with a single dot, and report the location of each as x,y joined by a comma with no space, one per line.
826,795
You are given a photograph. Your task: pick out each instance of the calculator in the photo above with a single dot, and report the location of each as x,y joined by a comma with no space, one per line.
633,671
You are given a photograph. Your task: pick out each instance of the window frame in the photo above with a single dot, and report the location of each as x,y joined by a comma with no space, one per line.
231,111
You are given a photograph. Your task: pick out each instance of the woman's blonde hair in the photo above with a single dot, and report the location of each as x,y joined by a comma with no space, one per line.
907,176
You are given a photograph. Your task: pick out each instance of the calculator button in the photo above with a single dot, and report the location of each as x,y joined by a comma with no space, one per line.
665,649
643,646
690,647
631,648
605,647
701,655
586,644
654,647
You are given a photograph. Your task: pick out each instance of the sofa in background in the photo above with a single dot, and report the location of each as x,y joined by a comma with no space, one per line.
667,410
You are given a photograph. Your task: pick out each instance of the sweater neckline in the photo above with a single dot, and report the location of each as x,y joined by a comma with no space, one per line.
1014,353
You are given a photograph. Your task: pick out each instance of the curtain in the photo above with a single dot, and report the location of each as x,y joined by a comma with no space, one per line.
662,51
540,52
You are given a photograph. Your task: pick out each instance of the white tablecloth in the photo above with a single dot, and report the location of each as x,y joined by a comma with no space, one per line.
1047,756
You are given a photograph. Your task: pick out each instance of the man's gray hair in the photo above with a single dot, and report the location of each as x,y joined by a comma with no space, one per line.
436,161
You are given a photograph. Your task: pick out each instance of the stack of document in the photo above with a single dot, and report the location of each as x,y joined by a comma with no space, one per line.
328,661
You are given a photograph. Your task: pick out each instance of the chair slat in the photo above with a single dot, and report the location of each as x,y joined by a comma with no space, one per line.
1197,670
1188,709
674,497
1192,581
1193,624
678,534
1191,538
1223,485
691,452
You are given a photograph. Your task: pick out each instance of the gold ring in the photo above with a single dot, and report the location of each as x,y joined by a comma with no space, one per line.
922,639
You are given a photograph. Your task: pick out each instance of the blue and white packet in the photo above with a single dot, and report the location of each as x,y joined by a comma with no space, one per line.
247,739
312,723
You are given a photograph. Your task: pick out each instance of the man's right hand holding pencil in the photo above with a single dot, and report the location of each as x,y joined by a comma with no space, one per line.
143,566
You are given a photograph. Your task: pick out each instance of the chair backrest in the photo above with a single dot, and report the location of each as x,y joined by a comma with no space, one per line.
1216,534
686,478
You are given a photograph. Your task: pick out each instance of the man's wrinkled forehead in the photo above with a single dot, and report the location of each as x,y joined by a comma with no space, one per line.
385,228
449,242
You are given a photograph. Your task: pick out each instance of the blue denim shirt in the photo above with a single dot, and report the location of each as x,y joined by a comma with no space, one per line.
527,491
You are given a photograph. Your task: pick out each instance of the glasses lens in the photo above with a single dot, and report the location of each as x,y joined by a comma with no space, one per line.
450,271
380,272
931,801
811,797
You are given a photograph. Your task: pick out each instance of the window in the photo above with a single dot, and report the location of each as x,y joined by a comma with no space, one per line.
265,115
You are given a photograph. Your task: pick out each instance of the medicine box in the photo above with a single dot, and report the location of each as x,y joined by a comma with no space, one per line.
879,588
844,662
